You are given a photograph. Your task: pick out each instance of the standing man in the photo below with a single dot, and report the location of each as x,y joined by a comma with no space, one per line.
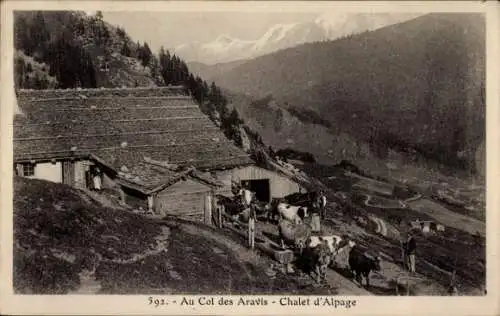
411,246
251,225
315,217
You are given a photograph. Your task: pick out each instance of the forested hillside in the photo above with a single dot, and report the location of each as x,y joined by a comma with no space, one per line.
69,49
414,86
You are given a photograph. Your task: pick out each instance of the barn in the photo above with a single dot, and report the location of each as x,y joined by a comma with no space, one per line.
151,147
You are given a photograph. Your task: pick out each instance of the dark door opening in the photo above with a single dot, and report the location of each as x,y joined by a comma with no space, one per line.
261,188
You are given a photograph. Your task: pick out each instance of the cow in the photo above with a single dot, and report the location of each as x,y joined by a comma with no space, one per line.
336,244
231,206
362,263
292,213
318,258
272,209
294,234
302,199
262,208
247,196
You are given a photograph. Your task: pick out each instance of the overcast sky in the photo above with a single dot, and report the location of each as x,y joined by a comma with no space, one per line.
173,28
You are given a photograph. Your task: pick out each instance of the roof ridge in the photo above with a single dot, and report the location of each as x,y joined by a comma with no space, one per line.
92,149
166,97
213,129
118,108
178,87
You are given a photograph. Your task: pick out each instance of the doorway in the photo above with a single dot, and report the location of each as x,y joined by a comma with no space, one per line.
261,188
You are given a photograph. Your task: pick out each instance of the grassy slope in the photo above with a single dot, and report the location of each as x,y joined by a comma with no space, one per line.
61,232
57,229
401,79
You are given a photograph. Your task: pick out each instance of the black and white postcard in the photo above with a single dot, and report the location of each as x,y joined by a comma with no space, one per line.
249,157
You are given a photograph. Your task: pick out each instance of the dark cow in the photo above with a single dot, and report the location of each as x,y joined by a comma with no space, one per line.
317,259
231,206
361,264
302,199
272,210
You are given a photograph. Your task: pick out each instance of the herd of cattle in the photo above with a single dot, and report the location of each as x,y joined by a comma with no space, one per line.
320,252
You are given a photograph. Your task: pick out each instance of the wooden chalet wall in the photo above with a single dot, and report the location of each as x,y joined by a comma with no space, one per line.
185,199
280,185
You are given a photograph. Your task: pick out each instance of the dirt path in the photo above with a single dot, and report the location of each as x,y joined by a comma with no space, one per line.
343,285
448,217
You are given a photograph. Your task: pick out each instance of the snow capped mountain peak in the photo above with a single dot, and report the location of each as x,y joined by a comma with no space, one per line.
274,34
329,25
277,32
224,39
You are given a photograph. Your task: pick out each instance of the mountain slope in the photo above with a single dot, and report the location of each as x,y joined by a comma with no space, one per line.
79,50
417,85
209,71
280,36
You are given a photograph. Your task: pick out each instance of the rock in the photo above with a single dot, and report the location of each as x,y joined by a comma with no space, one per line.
284,257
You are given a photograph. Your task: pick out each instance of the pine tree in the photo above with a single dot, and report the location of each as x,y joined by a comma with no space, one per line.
164,60
145,55
80,27
125,51
121,32
19,71
21,36
174,70
234,118
154,65
44,82
184,72
40,36
37,83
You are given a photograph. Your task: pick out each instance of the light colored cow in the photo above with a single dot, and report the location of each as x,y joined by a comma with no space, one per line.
292,213
336,244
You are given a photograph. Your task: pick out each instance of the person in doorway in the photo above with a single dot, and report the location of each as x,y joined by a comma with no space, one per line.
411,246
322,203
97,179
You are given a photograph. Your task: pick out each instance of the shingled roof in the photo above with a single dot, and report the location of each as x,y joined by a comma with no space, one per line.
121,127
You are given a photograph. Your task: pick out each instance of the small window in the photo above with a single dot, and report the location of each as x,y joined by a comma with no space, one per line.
28,170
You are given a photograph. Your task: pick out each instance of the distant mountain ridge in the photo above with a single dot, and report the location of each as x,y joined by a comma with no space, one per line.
418,86
225,48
